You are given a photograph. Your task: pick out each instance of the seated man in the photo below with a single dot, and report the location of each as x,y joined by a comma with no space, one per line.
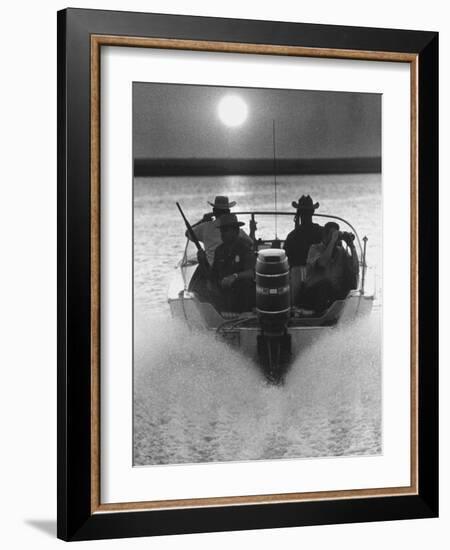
206,229
331,271
232,272
299,241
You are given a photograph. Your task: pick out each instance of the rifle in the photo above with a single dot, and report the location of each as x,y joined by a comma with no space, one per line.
193,236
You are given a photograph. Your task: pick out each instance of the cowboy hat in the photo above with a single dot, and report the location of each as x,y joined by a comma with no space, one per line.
228,220
221,203
305,203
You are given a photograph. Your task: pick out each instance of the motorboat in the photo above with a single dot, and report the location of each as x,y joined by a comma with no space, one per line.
274,332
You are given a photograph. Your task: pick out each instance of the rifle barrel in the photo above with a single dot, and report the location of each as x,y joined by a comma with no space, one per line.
193,236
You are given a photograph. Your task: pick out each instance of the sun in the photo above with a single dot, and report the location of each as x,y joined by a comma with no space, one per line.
232,110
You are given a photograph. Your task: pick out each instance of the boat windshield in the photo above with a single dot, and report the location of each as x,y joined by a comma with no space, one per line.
283,222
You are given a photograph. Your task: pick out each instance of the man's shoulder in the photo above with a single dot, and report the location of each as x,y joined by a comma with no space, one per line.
199,229
305,228
317,229
293,232
205,225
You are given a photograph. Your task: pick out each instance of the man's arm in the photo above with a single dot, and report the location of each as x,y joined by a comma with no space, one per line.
243,235
314,254
247,274
287,244
325,257
198,229
213,273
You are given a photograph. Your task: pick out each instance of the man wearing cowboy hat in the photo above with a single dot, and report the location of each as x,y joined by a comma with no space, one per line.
208,233
299,241
232,270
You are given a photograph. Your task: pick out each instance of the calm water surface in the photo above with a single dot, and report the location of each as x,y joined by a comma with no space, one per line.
198,401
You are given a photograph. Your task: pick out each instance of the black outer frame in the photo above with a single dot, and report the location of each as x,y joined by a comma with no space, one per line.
75,521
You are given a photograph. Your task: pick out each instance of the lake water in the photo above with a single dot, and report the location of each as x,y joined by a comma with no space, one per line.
198,401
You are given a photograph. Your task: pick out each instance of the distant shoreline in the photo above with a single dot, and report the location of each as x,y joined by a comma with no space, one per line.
254,167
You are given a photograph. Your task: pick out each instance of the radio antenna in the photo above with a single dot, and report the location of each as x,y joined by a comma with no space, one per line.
275,176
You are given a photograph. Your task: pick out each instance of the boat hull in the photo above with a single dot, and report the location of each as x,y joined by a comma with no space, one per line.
243,332
271,346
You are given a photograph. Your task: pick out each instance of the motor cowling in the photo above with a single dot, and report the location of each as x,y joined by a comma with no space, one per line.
272,290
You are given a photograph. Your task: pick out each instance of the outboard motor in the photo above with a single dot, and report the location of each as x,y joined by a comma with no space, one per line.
273,309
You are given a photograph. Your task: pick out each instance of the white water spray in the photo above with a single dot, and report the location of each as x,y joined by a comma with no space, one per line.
198,400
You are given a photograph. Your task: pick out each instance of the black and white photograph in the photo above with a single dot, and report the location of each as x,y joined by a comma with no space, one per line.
223,315
257,274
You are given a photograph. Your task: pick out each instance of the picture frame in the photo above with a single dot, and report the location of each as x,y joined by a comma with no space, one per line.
81,36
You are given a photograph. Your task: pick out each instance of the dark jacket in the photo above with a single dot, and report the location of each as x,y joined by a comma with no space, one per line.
228,259
299,241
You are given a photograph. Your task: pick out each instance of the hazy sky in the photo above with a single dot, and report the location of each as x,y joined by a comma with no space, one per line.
181,121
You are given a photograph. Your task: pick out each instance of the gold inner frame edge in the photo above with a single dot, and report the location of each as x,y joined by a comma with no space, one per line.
97,41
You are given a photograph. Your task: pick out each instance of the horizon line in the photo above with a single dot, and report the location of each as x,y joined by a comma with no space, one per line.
214,166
